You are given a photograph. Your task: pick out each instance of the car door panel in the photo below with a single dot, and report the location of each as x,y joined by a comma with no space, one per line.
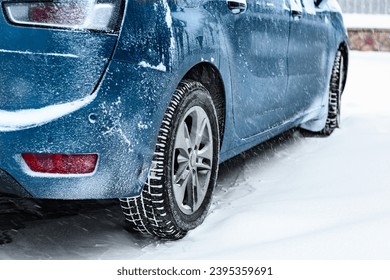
259,40
307,59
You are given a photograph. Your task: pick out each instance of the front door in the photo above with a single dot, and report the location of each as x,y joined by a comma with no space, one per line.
307,57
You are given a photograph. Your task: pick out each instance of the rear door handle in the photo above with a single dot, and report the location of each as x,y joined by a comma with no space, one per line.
297,15
237,6
296,9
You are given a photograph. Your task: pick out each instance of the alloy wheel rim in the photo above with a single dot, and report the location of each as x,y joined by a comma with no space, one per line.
192,160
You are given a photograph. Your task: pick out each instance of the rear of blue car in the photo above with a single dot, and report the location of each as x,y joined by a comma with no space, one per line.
62,106
140,100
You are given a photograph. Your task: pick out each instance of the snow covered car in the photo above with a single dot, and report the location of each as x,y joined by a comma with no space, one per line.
142,99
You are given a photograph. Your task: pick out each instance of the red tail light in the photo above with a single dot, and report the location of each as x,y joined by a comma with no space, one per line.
70,14
61,163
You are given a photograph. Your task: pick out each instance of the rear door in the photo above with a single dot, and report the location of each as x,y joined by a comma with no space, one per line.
258,40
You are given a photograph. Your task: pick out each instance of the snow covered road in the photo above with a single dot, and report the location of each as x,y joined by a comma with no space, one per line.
295,197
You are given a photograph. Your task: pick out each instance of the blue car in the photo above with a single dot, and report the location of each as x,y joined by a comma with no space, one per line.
142,99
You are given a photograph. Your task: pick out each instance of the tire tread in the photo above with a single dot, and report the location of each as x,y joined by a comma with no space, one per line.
149,213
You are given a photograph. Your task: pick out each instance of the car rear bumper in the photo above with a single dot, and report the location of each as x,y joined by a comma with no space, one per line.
120,125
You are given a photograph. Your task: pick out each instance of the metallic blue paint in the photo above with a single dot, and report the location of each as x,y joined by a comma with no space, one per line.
274,69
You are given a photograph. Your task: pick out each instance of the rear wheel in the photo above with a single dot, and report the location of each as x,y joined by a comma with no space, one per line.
335,91
178,191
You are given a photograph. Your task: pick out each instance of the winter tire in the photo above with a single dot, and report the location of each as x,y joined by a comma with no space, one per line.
178,191
335,92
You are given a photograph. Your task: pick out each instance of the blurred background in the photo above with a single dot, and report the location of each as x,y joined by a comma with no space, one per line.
368,23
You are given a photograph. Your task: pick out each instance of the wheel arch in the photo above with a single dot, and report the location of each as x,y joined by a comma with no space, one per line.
209,76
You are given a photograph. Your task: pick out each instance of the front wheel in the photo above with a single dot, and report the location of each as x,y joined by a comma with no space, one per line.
178,191
334,99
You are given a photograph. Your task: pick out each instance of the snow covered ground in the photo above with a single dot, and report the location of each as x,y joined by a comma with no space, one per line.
292,198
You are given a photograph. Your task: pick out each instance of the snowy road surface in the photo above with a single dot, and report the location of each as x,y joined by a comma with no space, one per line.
293,198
